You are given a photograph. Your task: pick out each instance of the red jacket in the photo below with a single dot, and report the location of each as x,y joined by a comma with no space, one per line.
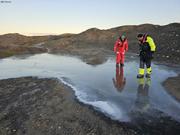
121,46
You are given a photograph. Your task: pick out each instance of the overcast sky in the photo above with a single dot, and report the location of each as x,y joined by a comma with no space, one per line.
74,16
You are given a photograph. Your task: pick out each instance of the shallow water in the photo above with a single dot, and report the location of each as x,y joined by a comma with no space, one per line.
114,91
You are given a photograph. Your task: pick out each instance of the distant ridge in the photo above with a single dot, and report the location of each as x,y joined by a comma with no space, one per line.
167,38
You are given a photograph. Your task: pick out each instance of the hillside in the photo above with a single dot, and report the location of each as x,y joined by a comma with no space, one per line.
12,44
166,38
97,43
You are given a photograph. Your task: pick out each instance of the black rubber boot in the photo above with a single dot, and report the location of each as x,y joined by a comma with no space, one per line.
140,76
148,75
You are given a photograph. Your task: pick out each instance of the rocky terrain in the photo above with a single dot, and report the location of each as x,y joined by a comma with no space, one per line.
173,87
13,44
46,106
166,38
98,43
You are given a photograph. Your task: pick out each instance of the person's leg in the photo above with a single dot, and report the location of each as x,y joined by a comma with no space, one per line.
141,69
118,58
122,59
149,70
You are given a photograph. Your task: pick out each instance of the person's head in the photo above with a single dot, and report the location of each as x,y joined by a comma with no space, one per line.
122,37
140,36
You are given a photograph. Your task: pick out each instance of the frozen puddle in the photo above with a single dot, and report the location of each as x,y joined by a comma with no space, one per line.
114,91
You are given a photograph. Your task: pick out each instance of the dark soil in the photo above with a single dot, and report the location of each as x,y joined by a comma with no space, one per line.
47,107
172,86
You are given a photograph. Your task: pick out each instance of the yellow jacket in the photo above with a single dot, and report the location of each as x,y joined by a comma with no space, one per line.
151,43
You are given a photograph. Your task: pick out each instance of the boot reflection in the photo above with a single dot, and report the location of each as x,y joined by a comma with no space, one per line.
142,101
120,81
141,111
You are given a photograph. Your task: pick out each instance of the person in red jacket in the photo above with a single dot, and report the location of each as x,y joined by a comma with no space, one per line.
120,47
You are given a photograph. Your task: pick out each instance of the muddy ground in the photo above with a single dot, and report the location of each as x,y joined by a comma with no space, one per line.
172,86
32,106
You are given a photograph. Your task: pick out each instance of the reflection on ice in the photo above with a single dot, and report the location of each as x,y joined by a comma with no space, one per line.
142,103
115,91
119,81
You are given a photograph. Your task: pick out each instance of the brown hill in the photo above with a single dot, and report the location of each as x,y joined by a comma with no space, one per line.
11,44
17,39
94,42
167,39
14,43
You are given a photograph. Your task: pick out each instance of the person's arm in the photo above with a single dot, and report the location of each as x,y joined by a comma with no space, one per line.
151,44
115,45
126,46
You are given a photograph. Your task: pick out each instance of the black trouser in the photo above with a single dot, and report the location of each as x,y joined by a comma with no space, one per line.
143,62
146,62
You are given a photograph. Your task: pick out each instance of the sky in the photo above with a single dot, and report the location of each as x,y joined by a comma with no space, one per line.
41,17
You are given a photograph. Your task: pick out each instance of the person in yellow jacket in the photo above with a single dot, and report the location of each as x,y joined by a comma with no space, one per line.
147,49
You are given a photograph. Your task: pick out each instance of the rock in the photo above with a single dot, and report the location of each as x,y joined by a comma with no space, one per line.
172,86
